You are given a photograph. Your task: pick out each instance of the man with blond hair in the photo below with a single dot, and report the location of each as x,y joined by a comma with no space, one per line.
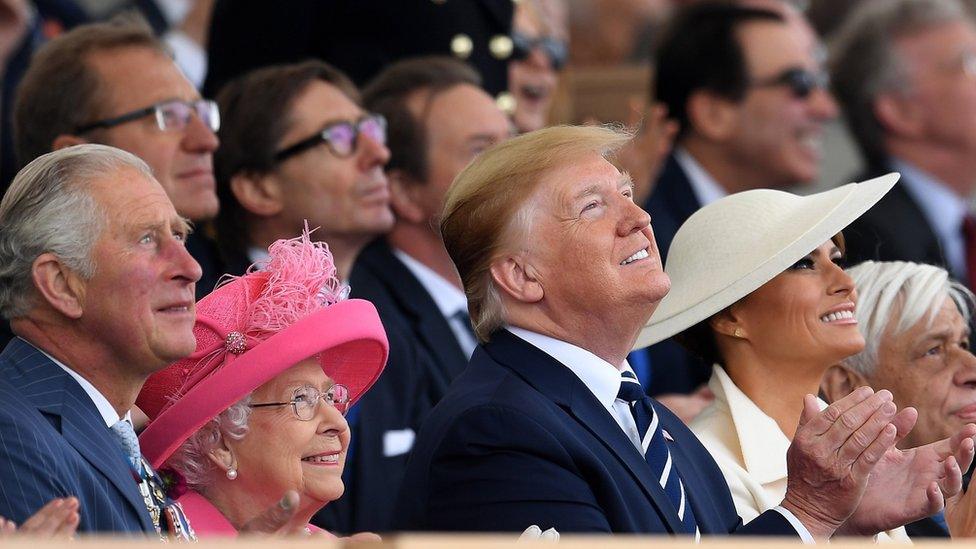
561,272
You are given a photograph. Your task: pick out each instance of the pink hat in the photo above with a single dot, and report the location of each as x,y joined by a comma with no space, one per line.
256,326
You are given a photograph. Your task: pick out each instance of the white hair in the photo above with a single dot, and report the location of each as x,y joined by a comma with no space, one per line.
894,296
49,208
192,458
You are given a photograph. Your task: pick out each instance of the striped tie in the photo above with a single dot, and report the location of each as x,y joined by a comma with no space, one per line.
656,449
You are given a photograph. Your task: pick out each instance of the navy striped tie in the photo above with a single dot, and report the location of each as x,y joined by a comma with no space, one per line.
656,449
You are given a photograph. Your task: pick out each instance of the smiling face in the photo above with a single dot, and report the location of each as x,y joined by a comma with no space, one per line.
779,136
182,160
348,197
931,368
281,452
592,249
140,301
805,313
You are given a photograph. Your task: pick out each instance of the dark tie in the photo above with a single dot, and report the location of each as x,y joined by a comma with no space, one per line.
656,449
969,236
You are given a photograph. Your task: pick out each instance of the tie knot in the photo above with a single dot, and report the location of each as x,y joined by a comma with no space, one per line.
630,388
127,438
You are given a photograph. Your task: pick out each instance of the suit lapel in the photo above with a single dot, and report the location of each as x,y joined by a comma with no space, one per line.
560,384
56,393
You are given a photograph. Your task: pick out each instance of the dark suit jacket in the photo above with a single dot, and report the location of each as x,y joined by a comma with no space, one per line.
54,443
893,229
359,37
519,440
382,278
672,201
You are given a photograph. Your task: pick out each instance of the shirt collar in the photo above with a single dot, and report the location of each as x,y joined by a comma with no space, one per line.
105,408
943,208
448,297
599,376
706,189
761,442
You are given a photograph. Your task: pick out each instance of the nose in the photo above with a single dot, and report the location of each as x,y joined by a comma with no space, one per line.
841,283
372,153
822,104
185,268
633,219
539,59
198,137
331,421
965,375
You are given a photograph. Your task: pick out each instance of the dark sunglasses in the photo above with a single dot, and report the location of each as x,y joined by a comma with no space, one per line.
171,115
555,49
801,82
341,137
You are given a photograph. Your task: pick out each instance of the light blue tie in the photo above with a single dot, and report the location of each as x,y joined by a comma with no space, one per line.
127,438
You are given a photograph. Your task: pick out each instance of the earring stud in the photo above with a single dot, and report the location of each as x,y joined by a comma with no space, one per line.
231,473
737,333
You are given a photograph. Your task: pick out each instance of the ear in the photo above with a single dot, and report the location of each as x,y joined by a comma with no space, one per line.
66,140
712,116
259,194
403,197
899,115
517,279
58,285
222,456
728,323
838,382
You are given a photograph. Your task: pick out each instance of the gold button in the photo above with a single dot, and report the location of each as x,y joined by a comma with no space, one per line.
500,46
506,102
461,46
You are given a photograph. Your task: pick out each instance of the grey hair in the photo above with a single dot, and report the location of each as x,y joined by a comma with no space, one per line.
864,62
49,208
192,458
908,292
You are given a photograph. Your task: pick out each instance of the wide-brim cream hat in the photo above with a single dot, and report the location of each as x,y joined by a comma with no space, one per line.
728,249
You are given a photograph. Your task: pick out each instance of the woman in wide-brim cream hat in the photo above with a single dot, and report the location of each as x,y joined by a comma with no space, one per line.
759,290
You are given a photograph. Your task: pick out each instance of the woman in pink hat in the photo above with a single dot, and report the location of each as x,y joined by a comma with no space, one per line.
258,410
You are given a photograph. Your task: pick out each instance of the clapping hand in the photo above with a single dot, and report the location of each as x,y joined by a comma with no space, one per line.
58,519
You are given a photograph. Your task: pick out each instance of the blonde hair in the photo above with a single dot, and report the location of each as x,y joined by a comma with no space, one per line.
485,208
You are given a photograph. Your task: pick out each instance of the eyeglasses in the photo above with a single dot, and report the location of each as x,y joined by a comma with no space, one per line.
305,401
341,137
554,48
801,82
170,116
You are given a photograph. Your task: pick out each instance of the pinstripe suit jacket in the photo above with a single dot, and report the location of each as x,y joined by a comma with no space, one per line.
54,443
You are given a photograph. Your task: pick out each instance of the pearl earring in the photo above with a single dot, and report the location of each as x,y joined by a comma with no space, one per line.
231,473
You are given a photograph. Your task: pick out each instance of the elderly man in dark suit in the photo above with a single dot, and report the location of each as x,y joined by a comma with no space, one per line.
98,287
903,71
548,426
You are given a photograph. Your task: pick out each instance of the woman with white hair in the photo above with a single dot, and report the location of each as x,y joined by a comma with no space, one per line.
915,322
758,290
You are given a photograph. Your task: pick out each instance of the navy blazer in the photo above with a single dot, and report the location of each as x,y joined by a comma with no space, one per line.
520,440
894,229
54,443
672,201
382,278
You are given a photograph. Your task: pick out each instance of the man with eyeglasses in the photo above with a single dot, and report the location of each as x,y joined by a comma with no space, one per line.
540,50
905,74
116,84
297,148
745,85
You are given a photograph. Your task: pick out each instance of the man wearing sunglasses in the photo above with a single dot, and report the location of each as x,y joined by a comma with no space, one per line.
746,88
540,50
116,84
905,74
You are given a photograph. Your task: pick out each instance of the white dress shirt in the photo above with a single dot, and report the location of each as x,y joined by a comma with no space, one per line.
750,449
942,208
105,409
706,189
603,380
450,300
